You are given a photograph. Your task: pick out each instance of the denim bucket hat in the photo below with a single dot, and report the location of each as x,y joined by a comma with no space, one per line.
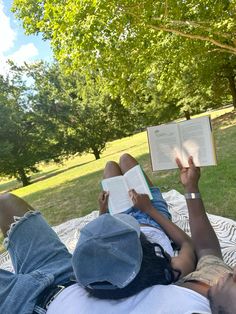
108,254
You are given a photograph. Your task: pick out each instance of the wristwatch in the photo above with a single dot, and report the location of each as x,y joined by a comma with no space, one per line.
192,196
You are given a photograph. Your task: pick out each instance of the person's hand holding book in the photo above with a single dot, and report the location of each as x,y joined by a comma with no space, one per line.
141,201
103,202
189,176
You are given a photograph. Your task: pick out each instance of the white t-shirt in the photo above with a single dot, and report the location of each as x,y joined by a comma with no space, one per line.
158,299
155,235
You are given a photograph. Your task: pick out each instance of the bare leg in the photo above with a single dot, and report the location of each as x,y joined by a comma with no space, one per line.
10,206
127,162
112,169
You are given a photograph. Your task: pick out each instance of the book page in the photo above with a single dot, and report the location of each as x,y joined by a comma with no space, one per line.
164,144
118,200
197,141
136,180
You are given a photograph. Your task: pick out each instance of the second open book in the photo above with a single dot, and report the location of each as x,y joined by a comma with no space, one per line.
186,138
119,186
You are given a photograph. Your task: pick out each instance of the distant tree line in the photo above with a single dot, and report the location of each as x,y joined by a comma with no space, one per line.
46,115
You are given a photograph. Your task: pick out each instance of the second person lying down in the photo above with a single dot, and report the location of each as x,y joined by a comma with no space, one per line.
123,254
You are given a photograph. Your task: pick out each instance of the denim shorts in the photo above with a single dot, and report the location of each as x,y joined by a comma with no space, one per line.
158,202
39,259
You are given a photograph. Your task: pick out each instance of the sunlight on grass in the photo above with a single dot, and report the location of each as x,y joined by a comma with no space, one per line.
70,189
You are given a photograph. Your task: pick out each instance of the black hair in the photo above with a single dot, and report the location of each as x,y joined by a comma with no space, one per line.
154,270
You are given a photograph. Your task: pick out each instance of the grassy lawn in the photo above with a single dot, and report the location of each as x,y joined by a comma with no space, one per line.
70,190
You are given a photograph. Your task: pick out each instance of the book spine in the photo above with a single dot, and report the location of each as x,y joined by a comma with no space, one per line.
212,140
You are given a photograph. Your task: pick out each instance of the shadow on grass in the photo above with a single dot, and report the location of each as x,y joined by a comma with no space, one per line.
54,173
78,197
14,184
73,198
225,119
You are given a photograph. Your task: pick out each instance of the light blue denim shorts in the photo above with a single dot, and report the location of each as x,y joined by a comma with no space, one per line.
39,259
158,202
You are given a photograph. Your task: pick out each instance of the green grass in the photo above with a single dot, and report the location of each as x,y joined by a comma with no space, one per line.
70,190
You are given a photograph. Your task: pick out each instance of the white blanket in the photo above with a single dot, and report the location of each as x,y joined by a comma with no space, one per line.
225,229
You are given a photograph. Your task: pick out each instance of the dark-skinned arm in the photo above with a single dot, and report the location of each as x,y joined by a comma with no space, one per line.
186,260
203,235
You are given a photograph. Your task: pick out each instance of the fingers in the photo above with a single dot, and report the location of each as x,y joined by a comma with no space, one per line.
191,163
132,193
103,196
193,166
179,163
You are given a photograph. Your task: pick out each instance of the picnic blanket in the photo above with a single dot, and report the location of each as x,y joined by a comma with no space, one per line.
225,229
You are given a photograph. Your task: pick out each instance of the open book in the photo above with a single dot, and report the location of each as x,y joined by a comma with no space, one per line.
119,186
186,138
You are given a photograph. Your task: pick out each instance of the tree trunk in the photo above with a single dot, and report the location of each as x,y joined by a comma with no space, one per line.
232,88
23,177
96,153
187,114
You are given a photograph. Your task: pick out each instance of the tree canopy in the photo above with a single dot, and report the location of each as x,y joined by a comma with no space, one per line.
131,42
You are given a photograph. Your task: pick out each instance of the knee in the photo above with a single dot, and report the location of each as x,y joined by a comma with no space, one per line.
14,204
111,164
11,206
126,159
5,199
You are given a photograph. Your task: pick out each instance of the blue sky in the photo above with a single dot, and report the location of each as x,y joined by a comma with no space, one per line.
15,44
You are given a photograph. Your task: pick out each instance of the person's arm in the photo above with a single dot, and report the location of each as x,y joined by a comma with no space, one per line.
103,202
186,260
202,233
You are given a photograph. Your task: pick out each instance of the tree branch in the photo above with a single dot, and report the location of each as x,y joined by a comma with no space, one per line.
192,36
194,24
226,47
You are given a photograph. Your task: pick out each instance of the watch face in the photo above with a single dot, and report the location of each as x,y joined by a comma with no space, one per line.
192,195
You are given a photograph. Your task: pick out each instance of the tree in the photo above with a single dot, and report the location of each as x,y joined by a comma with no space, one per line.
84,117
24,139
99,122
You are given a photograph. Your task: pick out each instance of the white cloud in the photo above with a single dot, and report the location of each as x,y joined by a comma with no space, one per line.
7,34
24,53
7,40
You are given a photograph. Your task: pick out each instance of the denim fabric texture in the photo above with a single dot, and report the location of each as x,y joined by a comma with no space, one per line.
108,250
158,202
39,259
